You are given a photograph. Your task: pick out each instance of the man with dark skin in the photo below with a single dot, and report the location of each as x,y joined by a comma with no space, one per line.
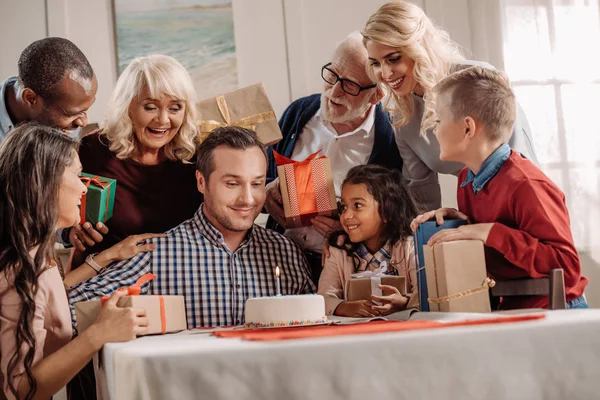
55,86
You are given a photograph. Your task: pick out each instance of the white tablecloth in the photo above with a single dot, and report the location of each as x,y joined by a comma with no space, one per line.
554,358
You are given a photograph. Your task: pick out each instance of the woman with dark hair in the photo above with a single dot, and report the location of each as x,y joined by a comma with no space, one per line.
40,191
376,212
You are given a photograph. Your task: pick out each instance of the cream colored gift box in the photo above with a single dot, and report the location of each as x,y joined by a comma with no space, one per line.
248,107
165,313
456,276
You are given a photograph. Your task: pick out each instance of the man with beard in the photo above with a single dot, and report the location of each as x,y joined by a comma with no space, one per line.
55,86
347,123
218,258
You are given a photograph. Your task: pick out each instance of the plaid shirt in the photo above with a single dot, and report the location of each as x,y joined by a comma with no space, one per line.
194,261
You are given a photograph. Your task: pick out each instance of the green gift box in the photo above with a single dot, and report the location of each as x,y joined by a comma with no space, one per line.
97,204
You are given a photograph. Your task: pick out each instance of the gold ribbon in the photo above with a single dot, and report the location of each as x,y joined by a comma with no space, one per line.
206,127
487,283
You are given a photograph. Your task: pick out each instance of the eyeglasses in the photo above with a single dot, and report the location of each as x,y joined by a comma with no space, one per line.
348,86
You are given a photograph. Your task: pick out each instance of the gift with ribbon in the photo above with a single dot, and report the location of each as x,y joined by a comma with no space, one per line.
306,189
165,313
97,204
366,283
248,107
456,277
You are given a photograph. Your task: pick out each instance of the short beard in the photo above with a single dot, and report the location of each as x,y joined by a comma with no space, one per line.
228,223
350,114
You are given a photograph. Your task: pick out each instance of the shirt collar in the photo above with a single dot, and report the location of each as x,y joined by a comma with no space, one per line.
489,168
373,261
6,123
366,127
214,235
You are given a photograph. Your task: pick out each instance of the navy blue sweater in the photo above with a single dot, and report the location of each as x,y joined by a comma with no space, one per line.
297,115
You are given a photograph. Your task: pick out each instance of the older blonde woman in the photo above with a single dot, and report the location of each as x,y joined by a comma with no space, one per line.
408,54
147,144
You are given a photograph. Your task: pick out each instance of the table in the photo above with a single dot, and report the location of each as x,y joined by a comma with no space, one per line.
553,358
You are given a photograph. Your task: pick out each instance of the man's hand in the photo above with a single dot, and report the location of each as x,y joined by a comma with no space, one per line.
439,215
464,232
274,203
325,225
356,309
86,236
391,302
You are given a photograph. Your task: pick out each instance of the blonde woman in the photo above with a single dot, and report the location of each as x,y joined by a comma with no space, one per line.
147,144
408,55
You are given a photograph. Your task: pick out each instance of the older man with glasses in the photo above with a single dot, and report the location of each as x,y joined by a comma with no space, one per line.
347,123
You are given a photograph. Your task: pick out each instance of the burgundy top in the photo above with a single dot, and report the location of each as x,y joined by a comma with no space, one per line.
149,198
531,233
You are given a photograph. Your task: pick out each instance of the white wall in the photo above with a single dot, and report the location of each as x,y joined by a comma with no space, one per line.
21,22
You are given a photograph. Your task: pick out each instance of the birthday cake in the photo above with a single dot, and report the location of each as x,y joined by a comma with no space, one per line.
282,311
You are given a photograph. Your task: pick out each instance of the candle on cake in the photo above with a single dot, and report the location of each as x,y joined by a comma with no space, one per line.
278,280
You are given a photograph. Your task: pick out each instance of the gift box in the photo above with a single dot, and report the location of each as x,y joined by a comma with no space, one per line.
306,189
248,107
424,232
456,277
364,284
97,204
165,313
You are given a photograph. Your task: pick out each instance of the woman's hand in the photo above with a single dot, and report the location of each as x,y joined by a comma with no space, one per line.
393,302
439,216
356,309
129,247
117,324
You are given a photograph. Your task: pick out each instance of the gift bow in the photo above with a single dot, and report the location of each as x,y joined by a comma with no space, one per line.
136,289
375,277
206,127
307,184
96,180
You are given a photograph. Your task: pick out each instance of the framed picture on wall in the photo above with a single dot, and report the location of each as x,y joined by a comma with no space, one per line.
198,33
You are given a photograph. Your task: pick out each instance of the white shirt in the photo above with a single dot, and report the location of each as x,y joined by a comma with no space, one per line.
344,152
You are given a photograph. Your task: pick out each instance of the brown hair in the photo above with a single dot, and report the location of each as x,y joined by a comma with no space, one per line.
234,137
33,159
483,94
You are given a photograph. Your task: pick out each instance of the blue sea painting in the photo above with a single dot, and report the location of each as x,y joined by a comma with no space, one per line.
198,33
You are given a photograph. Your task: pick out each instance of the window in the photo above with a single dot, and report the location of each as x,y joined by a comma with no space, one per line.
551,53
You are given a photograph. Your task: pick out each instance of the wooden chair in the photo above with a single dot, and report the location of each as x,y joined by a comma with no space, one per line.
553,287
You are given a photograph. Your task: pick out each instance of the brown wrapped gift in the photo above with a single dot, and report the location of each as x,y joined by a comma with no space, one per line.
172,319
306,189
360,288
248,107
165,313
456,276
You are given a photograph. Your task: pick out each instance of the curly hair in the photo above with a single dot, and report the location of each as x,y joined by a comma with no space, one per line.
161,75
395,203
405,26
45,62
28,218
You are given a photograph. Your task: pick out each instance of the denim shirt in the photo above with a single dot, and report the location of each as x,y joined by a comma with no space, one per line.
489,168
5,122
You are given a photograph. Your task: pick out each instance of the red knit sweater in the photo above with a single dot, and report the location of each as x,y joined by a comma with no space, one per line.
531,234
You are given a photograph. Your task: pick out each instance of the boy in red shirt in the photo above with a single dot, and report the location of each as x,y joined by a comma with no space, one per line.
513,208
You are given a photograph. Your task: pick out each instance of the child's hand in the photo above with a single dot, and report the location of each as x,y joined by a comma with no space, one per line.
439,215
464,232
356,309
392,302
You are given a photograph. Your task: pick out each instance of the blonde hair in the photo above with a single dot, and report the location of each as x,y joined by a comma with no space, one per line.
162,76
406,27
483,94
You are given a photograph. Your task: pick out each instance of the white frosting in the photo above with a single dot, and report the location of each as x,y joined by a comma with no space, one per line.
277,310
